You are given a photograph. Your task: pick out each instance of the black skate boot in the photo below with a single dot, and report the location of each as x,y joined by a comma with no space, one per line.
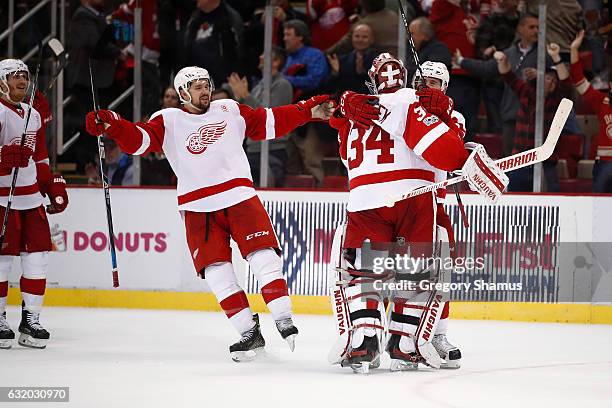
32,333
364,357
450,354
251,343
6,334
407,360
287,331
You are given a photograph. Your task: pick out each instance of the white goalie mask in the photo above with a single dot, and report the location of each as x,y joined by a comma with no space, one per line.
435,70
186,76
387,74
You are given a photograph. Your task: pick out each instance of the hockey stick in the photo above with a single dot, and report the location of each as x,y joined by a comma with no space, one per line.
60,54
105,186
21,144
410,40
516,161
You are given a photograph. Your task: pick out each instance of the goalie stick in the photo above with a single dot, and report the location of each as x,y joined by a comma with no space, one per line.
507,164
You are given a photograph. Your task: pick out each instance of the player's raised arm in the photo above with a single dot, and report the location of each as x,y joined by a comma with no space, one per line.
133,138
272,123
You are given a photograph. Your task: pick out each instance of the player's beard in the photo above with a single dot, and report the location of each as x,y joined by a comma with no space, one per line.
203,103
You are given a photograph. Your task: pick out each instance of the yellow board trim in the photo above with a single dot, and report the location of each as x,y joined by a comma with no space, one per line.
135,299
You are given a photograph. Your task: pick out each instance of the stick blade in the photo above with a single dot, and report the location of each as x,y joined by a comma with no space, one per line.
56,46
556,127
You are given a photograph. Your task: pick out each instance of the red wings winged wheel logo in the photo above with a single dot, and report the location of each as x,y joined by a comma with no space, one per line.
198,142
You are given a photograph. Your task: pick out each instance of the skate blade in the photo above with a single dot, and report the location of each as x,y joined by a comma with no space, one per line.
291,341
6,344
246,356
361,368
401,365
26,340
451,364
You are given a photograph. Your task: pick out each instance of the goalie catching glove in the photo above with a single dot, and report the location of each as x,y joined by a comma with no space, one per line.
483,175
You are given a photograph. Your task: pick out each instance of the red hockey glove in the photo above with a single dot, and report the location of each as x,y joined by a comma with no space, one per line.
57,194
309,106
436,102
15,156
95,127
361,109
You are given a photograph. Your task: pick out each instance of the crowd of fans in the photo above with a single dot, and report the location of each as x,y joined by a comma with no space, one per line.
327,46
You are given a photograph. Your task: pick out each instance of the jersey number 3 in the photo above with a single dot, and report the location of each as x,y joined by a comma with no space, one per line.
375,139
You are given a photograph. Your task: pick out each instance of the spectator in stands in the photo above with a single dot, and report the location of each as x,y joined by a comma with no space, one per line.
171,98
350,71
254,31
428,46
329,20
119,167
383,23
150,50
281,93
495,32
213,39
557,86
600,103
306,66
223,92
89,36
172,22
457,29
564,18
521,55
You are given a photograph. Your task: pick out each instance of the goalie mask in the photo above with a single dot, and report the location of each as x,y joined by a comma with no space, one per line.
435,70
186,76
387,74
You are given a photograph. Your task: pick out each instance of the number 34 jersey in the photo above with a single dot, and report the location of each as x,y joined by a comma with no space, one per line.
399,154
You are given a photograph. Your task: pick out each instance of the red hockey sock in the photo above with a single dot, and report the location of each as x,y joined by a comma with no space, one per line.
276,296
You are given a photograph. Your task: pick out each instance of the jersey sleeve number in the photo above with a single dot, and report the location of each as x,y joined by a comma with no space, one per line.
375,139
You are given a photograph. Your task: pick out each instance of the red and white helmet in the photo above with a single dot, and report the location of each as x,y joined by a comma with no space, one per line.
387,74
10,66
186,76
435,70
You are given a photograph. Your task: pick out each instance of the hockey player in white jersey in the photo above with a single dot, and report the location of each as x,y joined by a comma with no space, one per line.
431,91
216,198
27,233
389,144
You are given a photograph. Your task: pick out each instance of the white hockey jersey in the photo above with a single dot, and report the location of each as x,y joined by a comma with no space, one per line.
205,150
399,154
12,120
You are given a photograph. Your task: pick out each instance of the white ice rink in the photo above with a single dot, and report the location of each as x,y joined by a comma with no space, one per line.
170,359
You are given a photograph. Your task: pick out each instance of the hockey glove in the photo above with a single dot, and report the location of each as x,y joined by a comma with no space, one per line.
318,107
361,109
14,156
106,118
57,194
436,102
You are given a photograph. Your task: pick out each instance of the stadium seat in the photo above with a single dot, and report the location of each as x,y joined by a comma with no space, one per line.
562,171
571,148
576,186
301,181
335,183
492,142
585,169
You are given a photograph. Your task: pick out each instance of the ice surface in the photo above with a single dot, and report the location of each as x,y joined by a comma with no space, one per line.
172,359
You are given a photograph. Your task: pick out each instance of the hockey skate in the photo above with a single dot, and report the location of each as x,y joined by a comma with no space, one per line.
287,331
6,334
32,333
364,357
403,358
250,344
450,354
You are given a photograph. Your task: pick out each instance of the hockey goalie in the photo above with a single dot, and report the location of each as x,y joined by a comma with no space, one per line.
391,142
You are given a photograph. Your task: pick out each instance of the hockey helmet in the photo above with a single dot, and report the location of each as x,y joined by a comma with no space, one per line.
435,70
186,76
387,74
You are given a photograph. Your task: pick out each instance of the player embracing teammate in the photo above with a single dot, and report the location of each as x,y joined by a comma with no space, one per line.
216,198
394,141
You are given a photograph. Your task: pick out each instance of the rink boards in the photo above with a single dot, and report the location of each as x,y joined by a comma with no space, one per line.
156,271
